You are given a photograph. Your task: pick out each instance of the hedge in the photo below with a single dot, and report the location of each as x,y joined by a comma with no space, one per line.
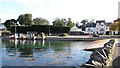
39,29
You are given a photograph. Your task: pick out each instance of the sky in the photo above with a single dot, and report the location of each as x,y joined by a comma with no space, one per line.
77,10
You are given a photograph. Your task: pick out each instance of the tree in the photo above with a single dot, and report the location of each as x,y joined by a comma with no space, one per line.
116,25
59,22
25,19
70,23
40,21
10,22
113,27
84,22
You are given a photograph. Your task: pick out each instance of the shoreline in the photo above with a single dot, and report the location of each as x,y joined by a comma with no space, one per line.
67,38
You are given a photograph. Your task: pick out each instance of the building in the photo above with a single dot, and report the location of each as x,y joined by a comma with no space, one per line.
75,30
107,30
112,32
2,27
90,28
100,27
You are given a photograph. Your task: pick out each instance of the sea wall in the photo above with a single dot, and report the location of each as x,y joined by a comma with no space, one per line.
100,56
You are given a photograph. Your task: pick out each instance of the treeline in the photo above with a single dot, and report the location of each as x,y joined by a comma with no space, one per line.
25,23
40,28
26,19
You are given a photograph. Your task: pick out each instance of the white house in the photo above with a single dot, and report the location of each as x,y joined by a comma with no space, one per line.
2,27
100,27
75,30
91,28
107,25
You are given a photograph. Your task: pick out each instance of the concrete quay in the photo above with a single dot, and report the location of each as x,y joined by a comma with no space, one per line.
71,38
79,38
67,38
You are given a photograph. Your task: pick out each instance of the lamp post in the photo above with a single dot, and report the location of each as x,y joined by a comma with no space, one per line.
49,29
15,31
15,34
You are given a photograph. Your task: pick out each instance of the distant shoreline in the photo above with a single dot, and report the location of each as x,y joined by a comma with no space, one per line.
68,38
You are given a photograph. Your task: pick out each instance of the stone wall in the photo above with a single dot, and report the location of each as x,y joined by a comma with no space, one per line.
100,57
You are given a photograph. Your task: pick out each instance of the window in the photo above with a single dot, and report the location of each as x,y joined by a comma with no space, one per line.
102,30
97,24
102,24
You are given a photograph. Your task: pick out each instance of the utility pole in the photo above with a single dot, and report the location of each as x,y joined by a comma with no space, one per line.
49,29
15,32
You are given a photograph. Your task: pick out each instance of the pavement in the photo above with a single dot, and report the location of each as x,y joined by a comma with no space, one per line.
115,63
80,36
97,43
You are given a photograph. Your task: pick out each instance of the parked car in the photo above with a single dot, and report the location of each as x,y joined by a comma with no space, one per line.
95,35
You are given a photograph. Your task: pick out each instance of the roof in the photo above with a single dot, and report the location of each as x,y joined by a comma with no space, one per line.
108,23
75,28
100,21
91,24
2,27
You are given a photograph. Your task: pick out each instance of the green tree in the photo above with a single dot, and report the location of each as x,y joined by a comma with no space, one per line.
25,19
116,25
10,22
113,27
59,22
70,23
84,22
40,21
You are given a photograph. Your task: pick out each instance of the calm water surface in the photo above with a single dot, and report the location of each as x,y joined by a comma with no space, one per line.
44,53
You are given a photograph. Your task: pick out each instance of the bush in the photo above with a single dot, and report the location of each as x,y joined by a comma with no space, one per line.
40,28
63,34
5,32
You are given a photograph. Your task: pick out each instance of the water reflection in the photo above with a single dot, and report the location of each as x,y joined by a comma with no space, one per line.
23,47
26,48
25,51
44,52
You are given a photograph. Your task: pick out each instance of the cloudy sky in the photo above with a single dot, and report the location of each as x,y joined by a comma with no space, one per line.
50,9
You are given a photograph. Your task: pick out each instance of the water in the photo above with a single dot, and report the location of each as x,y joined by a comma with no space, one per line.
44,53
